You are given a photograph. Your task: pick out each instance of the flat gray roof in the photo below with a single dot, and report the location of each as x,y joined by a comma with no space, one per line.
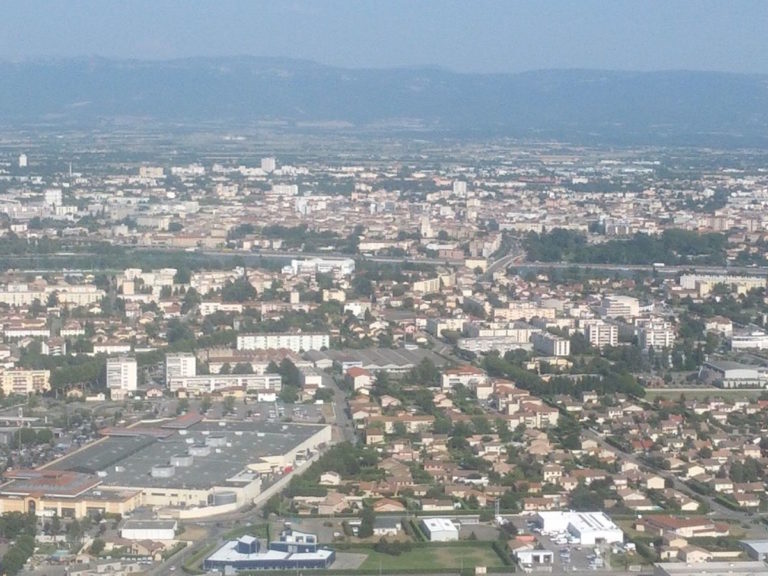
376,358
128,462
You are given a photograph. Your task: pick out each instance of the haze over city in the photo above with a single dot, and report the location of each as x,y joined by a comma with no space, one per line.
395,288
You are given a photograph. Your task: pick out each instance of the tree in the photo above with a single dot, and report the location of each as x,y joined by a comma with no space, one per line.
239,290
178,331
242,368
367,519
205,403
55,526
97,547
191,301
182,406
229,404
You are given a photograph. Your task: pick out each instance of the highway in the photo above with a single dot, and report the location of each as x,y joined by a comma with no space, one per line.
515,260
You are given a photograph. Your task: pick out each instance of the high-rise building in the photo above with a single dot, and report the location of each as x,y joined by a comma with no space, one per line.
459,188
268,164
22,160
122,375
601,334
181,365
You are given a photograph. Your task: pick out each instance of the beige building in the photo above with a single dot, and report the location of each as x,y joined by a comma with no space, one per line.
25,382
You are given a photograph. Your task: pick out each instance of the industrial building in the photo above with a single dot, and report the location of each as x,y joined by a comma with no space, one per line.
440,529
294,551
726,374
188,467
589,528
149,530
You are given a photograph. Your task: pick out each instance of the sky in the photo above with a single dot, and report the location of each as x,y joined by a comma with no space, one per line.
465,36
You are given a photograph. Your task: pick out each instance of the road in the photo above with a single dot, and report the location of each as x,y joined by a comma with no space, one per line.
513,260
342,420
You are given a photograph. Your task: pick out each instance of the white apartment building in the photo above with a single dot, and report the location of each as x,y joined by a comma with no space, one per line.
601,334
620,306
657,333
53,197
550,344
122,374
460,188
285,189
256,384
296,342
268,164
180,365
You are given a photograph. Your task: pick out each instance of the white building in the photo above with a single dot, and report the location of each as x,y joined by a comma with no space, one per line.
122,374
601,334
263,385
149,530
657,333
268,164
725,374
550,344
22,160
589,528
440,529
53,197
620,306
460,188
753,339
298,342
180,365
341,266
285,189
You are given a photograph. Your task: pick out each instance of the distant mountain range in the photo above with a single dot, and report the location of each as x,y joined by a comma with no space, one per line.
674,107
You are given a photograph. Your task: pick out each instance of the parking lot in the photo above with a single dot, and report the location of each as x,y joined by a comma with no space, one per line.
568,554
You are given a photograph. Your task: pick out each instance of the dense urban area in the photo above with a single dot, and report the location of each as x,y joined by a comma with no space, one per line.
248,352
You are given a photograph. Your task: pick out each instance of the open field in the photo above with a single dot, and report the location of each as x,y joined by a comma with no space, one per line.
432,558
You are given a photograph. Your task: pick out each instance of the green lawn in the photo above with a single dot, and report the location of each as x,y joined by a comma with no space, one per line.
431,557
258,530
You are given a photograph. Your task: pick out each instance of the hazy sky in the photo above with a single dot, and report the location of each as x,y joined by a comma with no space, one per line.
468,35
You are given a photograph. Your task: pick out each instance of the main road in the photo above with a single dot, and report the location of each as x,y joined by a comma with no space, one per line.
513,260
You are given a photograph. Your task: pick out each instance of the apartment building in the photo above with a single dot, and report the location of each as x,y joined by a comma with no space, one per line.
257,384
601,334
180,365
25,382
295,342
122,375
551,345
615,306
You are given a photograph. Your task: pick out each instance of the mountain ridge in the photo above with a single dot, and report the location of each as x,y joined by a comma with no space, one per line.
668,106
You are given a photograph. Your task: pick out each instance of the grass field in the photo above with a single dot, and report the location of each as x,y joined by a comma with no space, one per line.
436,558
